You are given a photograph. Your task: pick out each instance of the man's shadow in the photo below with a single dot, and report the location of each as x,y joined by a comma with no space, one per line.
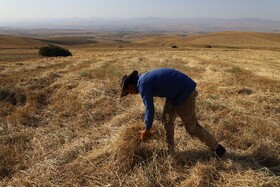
247,161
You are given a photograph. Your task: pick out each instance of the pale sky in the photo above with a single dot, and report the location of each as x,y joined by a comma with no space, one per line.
34,9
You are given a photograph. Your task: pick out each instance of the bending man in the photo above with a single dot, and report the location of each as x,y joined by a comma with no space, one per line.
180,93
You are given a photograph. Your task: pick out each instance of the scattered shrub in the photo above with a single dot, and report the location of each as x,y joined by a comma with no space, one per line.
4,94
14,98
208,46
245,91
54,51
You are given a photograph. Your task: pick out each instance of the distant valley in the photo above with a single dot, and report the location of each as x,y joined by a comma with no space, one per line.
148,24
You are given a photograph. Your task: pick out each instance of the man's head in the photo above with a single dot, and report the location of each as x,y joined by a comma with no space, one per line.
129,84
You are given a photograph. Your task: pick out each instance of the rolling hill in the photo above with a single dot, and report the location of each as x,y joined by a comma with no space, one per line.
221,39
14,42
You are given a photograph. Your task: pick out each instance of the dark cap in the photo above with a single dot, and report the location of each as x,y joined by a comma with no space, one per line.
126,80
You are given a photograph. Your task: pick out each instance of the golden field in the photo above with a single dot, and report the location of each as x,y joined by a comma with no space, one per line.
62,122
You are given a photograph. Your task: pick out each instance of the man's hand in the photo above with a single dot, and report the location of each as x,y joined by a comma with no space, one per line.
144,134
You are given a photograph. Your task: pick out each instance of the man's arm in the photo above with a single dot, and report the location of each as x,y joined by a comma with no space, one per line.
148,101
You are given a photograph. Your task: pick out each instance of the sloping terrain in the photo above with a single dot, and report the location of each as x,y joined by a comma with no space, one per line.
220,39
14,42
15,48
237,39
62,122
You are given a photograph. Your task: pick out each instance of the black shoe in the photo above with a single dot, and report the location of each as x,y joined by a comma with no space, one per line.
220,151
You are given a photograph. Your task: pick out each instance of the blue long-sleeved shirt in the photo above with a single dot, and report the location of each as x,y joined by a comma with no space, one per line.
163,82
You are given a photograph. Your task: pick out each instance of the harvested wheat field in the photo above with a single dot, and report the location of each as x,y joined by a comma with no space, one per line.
62,122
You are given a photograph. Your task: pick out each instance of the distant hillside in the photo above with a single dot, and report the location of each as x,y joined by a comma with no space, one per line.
236,39
215,39
12,42
229,39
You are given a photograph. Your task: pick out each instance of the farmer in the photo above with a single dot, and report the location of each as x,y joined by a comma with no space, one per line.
179,91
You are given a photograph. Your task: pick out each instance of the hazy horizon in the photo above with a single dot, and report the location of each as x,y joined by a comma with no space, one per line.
15,10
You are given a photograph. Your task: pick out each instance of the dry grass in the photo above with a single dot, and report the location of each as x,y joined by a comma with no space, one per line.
17,55
62,122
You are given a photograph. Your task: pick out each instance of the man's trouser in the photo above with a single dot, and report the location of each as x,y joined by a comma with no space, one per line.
187,113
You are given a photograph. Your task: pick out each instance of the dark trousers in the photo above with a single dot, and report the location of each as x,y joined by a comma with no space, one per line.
187,113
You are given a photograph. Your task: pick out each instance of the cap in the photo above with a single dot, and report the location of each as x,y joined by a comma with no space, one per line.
127,80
